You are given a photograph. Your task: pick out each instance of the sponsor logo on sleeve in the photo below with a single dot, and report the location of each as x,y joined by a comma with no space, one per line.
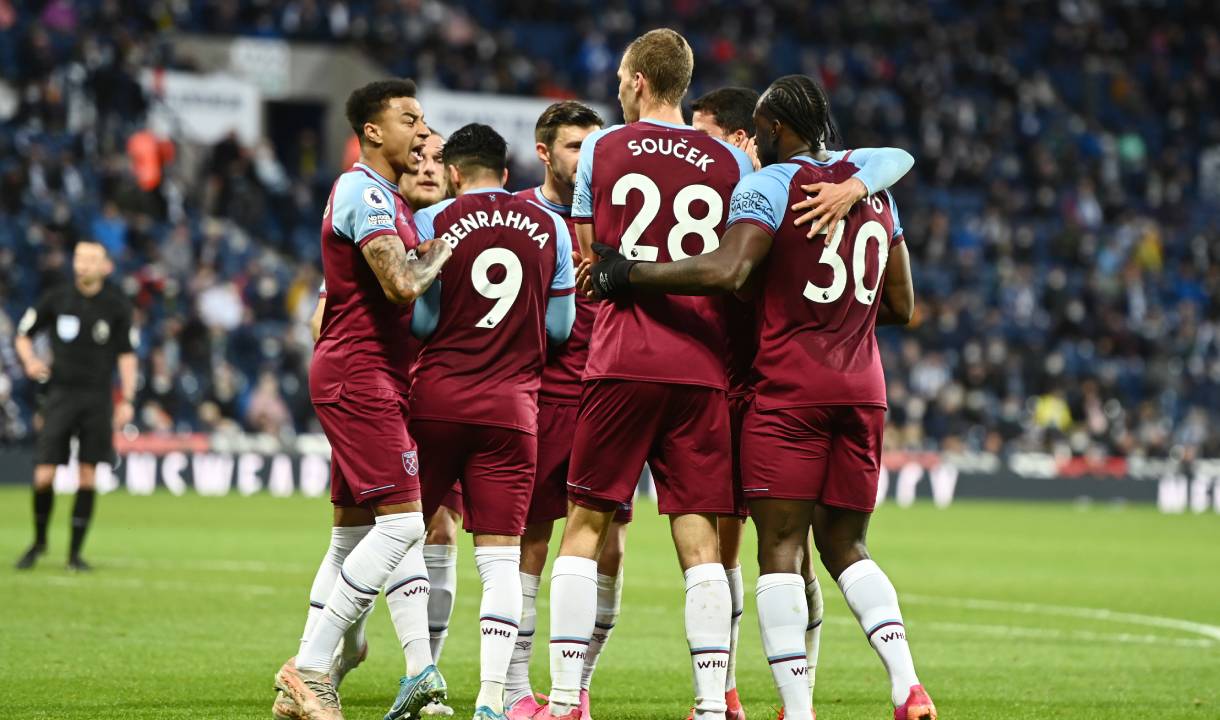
380,218
750,202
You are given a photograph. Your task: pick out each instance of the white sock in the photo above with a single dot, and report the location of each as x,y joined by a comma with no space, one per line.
609,598
709,607
363,574
813,631
342,541
782,617
518,684
737,591
442,576
573,612
873,600
499,619
406,594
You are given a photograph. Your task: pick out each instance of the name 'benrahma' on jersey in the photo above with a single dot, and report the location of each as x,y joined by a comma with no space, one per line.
659,192
818,305
483,362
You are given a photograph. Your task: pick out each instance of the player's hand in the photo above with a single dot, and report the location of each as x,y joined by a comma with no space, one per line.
124,412
37,370
610,276
828,203
435,248
750,148
582,265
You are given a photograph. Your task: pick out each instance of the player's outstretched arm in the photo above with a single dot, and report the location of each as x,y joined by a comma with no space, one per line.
427,313
898,295
315,320
725,269
404,281
828,203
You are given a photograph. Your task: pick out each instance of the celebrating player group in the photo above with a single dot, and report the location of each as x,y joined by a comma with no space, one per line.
700,299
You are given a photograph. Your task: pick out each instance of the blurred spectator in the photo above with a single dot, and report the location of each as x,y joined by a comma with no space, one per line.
1062,217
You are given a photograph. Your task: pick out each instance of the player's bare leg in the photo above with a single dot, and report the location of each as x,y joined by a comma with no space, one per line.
519,694
813,597
840,538
783,529
709,608
306,681
574,603
499,561
44,500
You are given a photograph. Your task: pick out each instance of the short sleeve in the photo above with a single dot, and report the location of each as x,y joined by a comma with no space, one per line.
425,220
37,317
745,166
363,209
564,281
582,195
879,168
894,212
761,199
124,339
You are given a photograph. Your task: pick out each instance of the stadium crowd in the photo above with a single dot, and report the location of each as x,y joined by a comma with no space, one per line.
1063,215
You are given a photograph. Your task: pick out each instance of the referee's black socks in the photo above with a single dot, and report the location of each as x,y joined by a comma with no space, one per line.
82,513
44,500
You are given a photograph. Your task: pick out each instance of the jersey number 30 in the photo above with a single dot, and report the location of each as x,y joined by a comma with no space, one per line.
704,227
868,232
503,292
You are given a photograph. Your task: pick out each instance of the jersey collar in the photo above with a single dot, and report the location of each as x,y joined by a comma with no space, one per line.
485,190
552,206
376,176
663,123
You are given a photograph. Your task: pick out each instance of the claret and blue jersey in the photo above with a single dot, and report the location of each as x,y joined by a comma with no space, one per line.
508,287
818,304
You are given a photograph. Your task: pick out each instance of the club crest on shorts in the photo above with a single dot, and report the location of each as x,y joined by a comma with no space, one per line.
410,462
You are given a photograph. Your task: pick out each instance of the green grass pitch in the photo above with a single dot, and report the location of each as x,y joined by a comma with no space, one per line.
196,601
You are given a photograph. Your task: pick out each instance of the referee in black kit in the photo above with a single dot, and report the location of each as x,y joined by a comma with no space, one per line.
90,325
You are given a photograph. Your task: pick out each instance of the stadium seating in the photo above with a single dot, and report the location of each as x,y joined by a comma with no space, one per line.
1064,233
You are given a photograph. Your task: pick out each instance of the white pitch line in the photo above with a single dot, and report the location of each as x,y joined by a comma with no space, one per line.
1086,613
1016,631
248,566
138,584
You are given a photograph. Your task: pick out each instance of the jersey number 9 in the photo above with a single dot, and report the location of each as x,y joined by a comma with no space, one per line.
503,292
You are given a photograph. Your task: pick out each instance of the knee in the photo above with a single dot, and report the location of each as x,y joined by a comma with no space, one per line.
442,528
44,476
87,475
837,557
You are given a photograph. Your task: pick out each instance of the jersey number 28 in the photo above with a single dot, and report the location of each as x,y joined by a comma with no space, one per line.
704,227
869,232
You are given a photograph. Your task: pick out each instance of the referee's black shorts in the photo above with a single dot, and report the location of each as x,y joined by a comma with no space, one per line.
87,414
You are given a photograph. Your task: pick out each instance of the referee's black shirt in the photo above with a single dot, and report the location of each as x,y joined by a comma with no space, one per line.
87,334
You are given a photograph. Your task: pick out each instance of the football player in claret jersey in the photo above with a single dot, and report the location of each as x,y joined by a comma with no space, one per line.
728,114
422,188
474,395
559,132
357,384
811,443
655,378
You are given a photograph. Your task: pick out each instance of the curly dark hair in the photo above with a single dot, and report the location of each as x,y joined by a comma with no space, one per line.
476,145
366,102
